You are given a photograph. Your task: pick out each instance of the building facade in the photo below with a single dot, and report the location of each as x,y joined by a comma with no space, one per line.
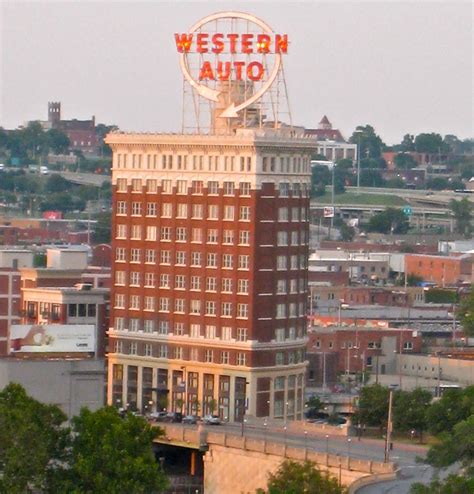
209,295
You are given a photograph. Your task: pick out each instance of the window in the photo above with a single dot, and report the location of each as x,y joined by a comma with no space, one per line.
196,259
136,185
195,330
241,358
281,286
242,286
294,238
166,210
212,260
164,280
135,255
280,311
229,188
121,207
179,328
166,186
195,307
198,211
244,262
280,334
244,237
182,211
211,332
279,360
226,309
133,348
149,280
120,254
210,308
165,257
408,345
282,238
149,303
295,214
284,189
229,213
293,262
196,235
241,334
121,231
227,285
213,188
148,350
283,214
225,357
136,208
135,278
165,233
120,277
293,286
228,237
242,310
164,304
150,233
227,261
119,324
195,282
151,209
179,304
178,353
121,184
180,234
163,327
120,301
134,302
213,212
163,351
118,346
151,184
181,187
211,284
209,356
244,188
197,186
244,213
180,258
281,262
136,232
226,333
212,235
180,282
150,256
148,326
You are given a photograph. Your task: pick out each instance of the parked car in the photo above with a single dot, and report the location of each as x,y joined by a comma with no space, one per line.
190,419
174,417
211,420
158,416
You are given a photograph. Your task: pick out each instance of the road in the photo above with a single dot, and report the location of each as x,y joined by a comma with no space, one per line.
85,178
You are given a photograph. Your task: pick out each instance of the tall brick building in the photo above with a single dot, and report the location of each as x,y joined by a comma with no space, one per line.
209,299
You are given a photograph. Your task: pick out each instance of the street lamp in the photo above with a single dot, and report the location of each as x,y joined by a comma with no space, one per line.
244,421
349,453
305,440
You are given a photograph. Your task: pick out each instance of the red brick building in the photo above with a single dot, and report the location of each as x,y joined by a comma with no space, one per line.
210,272
442,270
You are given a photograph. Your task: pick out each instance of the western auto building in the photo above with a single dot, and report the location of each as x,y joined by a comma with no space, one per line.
209,298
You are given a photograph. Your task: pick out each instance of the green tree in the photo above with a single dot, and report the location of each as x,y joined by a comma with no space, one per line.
371,178
314,403
410,410
408,143
465,313
430,143
56,183
102,229
301,478
57,141
372,408
453,484
462,212
391,220
32,441
453,407
404,161
347,232
371,145
109,454
437,183
320,177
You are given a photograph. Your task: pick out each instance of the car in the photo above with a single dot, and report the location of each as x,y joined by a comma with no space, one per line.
174,417
44,170
190,419
158,416
211,420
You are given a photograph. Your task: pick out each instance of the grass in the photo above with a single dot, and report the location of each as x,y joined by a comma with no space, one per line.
365,199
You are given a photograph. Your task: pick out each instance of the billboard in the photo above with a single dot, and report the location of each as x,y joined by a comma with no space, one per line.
328,212
52,338
53,215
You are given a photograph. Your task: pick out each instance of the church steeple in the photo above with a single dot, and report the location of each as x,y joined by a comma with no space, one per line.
325,123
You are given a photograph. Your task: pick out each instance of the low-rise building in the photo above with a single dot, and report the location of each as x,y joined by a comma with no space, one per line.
442,270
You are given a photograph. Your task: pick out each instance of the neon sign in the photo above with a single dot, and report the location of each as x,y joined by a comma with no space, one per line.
252,55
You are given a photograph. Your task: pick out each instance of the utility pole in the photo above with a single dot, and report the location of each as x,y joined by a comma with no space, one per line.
388,436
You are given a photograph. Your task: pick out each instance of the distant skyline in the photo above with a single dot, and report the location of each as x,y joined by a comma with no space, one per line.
402,67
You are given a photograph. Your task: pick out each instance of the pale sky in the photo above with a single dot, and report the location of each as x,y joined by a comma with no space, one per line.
399,66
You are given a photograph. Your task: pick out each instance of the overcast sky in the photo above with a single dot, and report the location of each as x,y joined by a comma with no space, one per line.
399,66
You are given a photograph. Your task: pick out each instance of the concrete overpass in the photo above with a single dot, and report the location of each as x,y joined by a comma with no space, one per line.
229,451
85,178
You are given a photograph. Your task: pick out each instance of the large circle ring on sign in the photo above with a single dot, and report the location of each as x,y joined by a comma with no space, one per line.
211,93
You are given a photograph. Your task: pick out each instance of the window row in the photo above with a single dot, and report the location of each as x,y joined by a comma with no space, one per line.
293,214
181,282
182,258
181,306
286,164
292,262
164,328
289,358
179,353
229,213
292,309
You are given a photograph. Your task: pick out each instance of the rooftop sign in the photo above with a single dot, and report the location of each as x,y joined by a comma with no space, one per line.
230,46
